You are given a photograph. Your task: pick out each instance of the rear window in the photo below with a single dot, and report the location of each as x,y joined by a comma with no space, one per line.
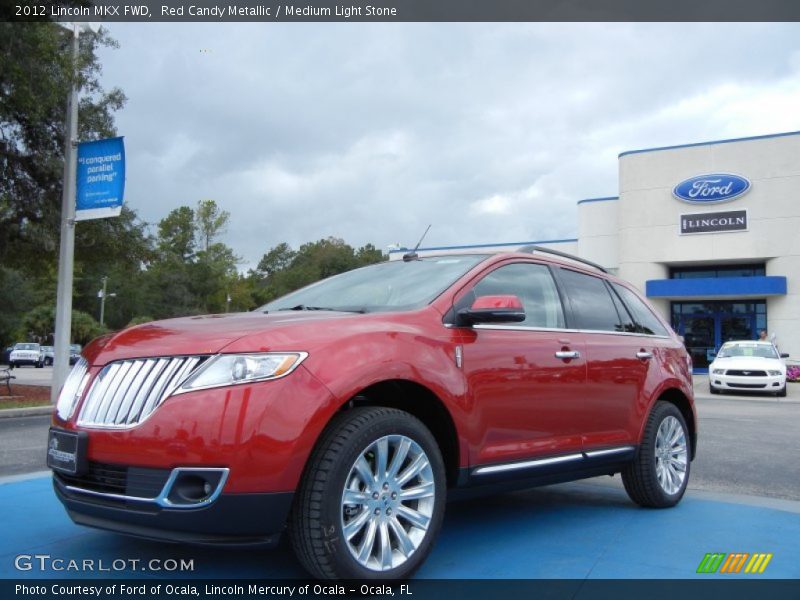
646,321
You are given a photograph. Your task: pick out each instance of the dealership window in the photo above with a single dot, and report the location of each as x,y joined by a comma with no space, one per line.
706,325
756,270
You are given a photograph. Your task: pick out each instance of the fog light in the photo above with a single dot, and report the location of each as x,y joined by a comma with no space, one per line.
193,487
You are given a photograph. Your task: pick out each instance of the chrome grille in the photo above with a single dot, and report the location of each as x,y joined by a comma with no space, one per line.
126,392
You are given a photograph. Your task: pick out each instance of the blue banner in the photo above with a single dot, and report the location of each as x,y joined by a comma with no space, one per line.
100,179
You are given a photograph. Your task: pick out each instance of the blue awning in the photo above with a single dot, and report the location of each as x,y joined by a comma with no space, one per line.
710,288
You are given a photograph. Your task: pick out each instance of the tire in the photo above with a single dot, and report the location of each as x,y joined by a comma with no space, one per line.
649,480
782,392
346,456
13,365
39,365
712,389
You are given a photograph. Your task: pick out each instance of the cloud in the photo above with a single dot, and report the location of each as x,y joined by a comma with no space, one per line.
369,132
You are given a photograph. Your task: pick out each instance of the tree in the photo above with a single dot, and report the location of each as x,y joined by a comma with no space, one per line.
176,233
277,259
282,270
35,75
39,324
210,221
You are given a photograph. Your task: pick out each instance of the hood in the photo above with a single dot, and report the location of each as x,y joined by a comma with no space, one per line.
207,334
747,362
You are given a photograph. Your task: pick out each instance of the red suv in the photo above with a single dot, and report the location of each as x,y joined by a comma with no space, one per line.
347,412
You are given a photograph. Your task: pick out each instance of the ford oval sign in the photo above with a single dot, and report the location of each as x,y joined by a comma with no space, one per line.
708,189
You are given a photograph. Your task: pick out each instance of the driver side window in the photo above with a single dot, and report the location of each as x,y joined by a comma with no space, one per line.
532,284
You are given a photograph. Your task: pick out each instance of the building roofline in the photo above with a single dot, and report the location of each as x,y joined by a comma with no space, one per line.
711,143
471,246
606,199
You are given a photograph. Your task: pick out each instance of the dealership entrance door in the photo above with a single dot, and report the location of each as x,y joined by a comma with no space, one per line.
705,326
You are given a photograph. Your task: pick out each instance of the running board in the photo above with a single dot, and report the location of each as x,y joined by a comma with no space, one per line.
613,454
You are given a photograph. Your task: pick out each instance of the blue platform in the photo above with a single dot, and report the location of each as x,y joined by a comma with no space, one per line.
572,531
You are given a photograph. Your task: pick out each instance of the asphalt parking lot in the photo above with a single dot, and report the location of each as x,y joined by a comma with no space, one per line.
33,376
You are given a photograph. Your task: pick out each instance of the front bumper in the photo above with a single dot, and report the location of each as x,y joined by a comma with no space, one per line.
237,519
25,361
768,384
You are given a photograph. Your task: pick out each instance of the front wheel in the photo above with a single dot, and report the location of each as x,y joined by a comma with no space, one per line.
658,476
371,500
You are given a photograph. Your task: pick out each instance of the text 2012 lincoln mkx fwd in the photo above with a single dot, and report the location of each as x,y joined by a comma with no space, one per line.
345,413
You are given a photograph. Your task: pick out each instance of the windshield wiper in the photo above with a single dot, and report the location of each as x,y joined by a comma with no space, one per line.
340,309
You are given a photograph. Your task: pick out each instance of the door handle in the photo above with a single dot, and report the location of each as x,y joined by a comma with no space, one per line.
565,354
644,355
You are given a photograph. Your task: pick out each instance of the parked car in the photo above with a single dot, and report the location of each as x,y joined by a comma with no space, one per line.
47,355
347,412
74,353
26,353
747,366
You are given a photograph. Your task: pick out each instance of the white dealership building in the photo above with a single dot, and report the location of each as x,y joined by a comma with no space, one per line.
709,231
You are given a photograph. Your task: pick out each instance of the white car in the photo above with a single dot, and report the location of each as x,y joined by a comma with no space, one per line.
26,354
748,367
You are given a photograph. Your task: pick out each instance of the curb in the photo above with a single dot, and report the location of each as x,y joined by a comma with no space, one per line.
32,411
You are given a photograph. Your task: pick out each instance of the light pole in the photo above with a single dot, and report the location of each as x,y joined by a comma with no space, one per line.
67,247
103,294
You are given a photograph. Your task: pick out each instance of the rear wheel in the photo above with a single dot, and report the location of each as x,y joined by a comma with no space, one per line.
371,501
657,478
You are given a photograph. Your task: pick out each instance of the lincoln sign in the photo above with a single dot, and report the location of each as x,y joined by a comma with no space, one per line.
732,220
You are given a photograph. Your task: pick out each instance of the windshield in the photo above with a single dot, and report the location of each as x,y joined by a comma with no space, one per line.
75,347
747,349
395,285
26,347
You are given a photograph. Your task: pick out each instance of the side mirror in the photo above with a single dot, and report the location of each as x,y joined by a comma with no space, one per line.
492,309
784,355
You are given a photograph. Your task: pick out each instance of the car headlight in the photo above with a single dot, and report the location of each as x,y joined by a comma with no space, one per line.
774,373
233,369
718,371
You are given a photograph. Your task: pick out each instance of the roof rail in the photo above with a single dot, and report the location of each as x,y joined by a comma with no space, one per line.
533,248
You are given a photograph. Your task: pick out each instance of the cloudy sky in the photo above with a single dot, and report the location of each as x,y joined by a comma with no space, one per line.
369,132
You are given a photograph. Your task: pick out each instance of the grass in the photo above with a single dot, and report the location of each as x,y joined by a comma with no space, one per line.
24,396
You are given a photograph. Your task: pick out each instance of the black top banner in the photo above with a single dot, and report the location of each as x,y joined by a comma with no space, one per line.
403,10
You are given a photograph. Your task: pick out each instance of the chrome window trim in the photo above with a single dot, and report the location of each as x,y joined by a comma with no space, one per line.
591,331
163,497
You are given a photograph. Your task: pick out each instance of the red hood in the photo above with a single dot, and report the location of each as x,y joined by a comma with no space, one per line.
206,334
